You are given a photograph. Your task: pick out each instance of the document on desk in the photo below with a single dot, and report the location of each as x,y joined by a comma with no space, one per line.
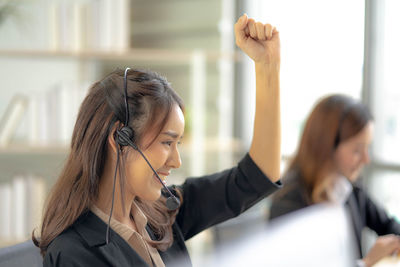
320,235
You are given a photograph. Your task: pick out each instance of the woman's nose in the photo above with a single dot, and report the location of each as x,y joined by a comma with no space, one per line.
175,159
366,157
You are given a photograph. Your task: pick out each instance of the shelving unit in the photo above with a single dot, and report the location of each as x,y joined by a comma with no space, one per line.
20,160
195,60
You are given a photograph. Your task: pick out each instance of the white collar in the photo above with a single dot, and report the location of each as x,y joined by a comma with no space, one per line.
341,190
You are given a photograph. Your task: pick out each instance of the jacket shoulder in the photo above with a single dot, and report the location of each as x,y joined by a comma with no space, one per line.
64,249
69,239
70,249
291,198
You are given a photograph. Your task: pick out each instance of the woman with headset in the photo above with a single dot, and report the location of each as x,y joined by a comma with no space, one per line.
332,152
110,205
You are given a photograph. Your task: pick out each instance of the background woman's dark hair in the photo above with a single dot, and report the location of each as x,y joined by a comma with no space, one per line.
333,120
151,99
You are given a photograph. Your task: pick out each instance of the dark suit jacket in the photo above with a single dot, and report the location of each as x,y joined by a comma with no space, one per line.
206,201
363,210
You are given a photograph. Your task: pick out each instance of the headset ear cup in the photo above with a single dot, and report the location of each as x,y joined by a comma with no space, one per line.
124,134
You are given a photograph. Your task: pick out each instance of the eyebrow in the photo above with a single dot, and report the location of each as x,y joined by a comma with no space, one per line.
172,134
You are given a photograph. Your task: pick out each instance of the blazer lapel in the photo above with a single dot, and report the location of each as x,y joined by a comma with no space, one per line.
117,255
117,252
356,219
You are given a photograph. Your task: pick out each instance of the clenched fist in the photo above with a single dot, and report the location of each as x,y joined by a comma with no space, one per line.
259,41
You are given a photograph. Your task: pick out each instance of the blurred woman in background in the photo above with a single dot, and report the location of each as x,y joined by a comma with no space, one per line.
332,152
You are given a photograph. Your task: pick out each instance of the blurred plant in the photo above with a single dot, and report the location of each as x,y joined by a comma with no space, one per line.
7,9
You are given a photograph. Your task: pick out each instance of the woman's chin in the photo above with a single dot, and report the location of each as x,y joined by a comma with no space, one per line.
153,196
353,176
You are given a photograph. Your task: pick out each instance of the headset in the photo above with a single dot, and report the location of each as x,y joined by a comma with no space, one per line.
126,137
345,112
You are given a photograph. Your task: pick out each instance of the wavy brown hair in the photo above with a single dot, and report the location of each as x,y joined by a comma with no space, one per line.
333,120
150,99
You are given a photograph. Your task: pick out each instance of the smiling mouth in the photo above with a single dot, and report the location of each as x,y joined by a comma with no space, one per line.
163,178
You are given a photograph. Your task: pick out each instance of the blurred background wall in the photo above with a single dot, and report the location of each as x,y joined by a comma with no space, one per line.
51,51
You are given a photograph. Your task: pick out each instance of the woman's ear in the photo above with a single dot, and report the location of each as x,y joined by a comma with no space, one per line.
112,143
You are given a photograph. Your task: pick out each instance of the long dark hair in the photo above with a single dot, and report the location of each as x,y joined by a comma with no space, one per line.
333,120
151,99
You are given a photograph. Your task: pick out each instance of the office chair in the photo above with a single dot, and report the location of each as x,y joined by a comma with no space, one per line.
22,254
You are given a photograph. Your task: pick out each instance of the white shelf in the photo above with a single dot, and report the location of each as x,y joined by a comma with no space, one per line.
21,149
44,161
138,54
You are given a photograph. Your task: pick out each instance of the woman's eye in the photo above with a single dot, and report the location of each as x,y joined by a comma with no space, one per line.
361,149
168,143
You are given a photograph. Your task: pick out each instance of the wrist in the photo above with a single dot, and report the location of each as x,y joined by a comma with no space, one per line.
271,66
267,76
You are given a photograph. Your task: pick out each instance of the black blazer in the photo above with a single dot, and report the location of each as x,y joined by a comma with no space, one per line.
207,200
364,212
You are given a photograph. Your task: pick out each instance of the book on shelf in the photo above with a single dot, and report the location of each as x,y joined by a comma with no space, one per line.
33,132
79,25
43,119
70,97
5,210
12,118
21,205
46,118
35,198
18,208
